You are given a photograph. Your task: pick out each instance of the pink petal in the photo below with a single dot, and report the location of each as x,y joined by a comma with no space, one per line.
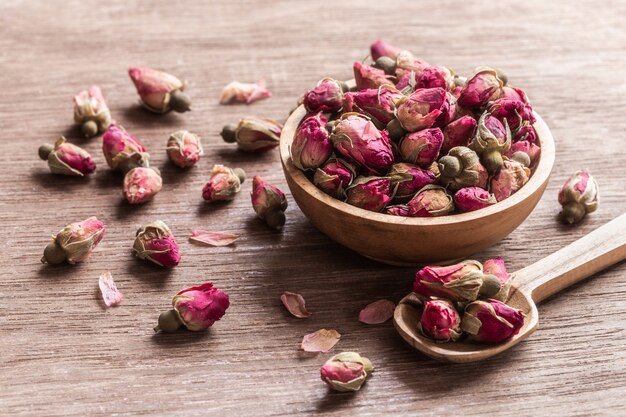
205,237
295,304
320,341
237,92
377,312
110,294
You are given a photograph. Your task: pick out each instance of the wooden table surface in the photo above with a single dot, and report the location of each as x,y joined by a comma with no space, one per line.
62,354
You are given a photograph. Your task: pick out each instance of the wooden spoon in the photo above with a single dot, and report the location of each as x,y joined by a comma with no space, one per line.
599,249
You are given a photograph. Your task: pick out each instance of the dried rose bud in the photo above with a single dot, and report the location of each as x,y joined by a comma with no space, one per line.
311,145
248,93
160,92
253,134
184,148
196,308
492,140
421,147
460,282
368,77
431,201
155,242
377,103
406,82
122,151
491,321
473,198
269,203
497,268
435,76
380,48
480,88
526,132
75,242
346,371
532,151
358,139
515,112
91,111
423,109
511,177
224,183
412,178
459,133
513,93
440,321
327,96
401,210
578,196
67,159
407,63
334,177
369,193
141,184
461,168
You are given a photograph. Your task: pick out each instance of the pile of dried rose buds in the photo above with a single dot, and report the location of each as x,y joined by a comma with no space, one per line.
414,139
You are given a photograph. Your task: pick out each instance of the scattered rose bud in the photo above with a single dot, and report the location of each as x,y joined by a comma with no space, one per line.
377,312
269,203
497,268
424,108
377,103
430,201
578,197
224,183
511,177
369,193
380,48
440,321
253,134
435,76
327,96
492,140
155,243
196,308
515,112
369,77
480,88
530,149
122,151
346,371
160,92
67,159
473,198
411,179
75,242
204,237
311,145
421,147
320,341
184,148
141,184
461,168
91,112
237,92
110,294
459,133
295,304
334,177
460,282
491,321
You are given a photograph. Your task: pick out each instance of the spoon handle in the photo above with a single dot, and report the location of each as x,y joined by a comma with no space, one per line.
600,249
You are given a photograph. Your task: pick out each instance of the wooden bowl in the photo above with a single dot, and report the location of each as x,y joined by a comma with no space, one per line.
414,241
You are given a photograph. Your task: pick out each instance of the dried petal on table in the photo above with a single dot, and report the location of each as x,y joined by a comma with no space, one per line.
110,294
377,312
237,92
320,341
295,304
205,237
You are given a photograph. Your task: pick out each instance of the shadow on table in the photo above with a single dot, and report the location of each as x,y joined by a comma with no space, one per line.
139,115
179,338
234,156
57,182
173,174
149,272
124,209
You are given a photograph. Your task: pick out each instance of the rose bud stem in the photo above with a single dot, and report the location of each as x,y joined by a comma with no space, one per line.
449,166
180,101
228,133
573,213
386,64
45,150
521,157
89,128
169,322
53,254
275,219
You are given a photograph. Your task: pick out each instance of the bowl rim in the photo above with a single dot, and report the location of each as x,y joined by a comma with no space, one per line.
539,177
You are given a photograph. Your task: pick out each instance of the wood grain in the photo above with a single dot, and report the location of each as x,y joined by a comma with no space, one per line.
62,354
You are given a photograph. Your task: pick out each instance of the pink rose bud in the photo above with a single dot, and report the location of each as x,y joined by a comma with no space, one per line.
160,92
75,242
311,145
380,48
459,133
369,77
141,184
401,210
421,147
91,111
253,134
497,268
431,201
491,321
369,193
526,132
511,177
435,76
406,63
515,112
224,183
269,203
440,321
423,109
532,151
482,87
460,282
122,151
406,80
248,93
154,242
334,177
410,179
461,168
184,148
578,196
358,139
327,96
492,140
377,103
513,93
195,308
67,159
346,371
473,198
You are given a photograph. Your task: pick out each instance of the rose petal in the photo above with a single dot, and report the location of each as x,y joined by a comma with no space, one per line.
295,304
320,341
110,294
377,312
237,92
205,237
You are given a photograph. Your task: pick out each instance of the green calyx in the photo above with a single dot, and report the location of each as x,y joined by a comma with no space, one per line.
386,64
229,133
169,322
53,254
45,150
275,219
89,128
449,166
573,213
180,101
